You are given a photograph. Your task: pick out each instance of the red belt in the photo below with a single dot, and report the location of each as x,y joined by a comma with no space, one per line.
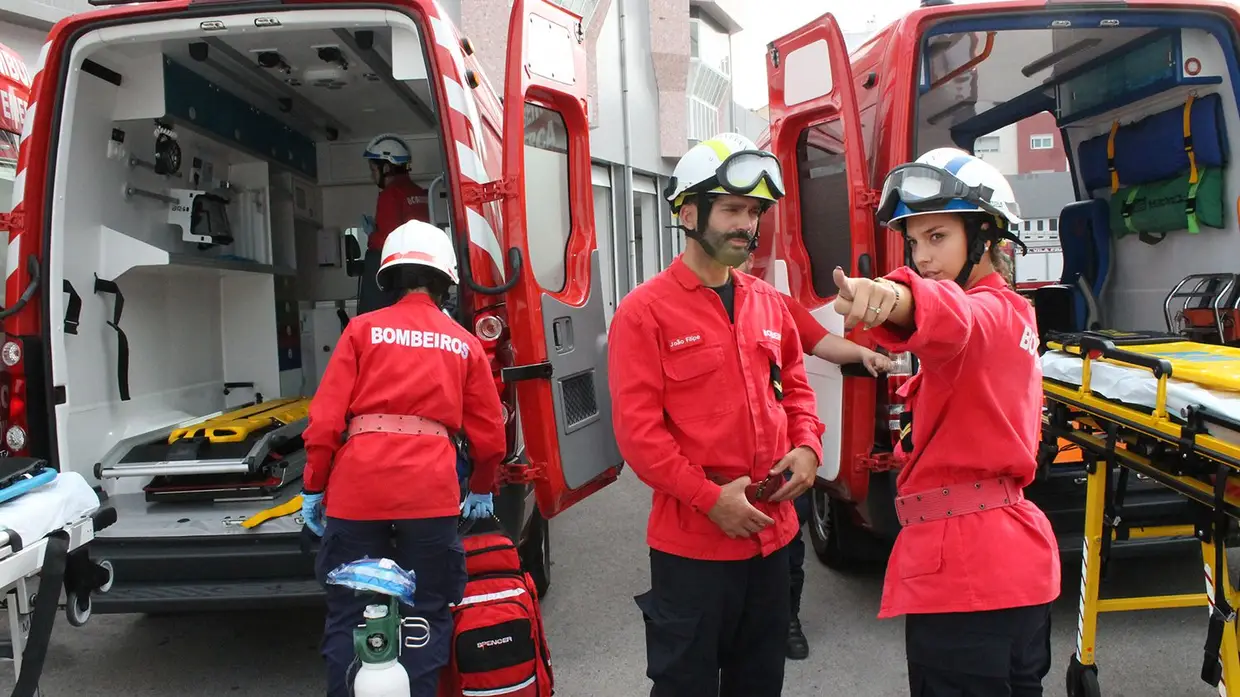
396,423
957,500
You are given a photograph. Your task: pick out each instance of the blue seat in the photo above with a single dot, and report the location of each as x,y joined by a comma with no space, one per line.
1085,238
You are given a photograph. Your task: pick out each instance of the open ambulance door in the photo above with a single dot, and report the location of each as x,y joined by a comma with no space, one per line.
816,127
555,308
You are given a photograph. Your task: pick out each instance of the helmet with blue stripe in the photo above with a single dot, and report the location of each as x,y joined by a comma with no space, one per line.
387,147
947,180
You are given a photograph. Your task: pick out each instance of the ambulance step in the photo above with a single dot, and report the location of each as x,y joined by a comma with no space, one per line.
211,595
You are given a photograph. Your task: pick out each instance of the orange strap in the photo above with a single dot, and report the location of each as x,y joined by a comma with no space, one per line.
1111,157
1188,138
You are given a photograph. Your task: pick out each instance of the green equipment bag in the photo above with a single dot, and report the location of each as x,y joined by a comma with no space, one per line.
1152,210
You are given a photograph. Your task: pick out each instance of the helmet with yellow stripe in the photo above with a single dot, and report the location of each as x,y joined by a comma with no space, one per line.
728,163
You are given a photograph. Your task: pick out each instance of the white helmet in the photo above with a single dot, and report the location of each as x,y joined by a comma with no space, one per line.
389,148
421,244
947,180
728,163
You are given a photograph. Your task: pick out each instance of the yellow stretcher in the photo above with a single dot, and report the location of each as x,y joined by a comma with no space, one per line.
1167,409
256,447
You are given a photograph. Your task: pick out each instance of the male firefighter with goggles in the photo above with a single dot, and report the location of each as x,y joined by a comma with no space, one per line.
975,567
711,408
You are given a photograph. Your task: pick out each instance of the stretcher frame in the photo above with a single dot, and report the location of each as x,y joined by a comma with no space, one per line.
21,563
111,467
1180,454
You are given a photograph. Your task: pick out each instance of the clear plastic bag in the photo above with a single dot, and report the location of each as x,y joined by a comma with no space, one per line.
381,576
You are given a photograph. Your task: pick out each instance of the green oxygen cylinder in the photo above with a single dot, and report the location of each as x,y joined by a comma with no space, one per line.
377,645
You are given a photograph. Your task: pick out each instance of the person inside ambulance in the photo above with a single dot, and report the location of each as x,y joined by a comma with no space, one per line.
815,341
400,200
381,474
711,407
975,566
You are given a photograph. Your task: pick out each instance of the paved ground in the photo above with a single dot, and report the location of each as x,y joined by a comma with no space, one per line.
596,636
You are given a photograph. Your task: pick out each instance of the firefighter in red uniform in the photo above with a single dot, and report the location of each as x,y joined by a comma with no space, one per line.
710,407
400,383
975,566
400,200
815,341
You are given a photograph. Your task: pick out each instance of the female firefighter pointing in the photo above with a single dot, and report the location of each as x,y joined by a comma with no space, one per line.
975,566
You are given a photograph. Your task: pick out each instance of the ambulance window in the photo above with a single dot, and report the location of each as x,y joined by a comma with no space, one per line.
546,194
825,205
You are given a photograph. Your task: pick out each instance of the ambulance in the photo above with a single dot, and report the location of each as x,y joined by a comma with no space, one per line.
1144,100
14,94
183,251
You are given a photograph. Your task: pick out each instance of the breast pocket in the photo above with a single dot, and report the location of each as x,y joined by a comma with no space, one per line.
694,389
771,359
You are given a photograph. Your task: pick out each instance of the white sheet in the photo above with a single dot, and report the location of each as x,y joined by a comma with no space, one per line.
1139,386
65,499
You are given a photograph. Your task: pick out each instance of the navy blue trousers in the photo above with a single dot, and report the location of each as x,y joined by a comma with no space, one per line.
432,548
796,552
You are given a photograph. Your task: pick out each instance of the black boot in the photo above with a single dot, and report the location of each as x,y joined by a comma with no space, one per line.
798,645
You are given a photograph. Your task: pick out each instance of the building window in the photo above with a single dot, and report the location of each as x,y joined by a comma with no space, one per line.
826,205
710,44
1054,223
986,144
1041,142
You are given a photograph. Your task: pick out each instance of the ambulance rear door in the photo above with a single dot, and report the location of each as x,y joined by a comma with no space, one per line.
816,133
555,309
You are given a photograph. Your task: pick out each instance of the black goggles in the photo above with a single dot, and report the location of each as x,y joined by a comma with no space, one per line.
924,188
741,172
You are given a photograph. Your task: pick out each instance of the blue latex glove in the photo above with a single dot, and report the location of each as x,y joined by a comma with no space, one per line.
313,513
477,506
368,224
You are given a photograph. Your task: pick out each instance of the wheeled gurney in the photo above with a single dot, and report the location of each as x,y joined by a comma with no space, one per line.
1169,410
44,533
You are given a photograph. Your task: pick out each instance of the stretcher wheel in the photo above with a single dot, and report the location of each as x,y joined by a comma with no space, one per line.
106,565
77,608
1082,681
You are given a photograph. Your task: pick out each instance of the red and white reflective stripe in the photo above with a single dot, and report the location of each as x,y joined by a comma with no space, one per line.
476,164
420,256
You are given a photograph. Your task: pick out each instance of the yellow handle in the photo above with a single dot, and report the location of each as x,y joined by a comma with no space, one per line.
293,505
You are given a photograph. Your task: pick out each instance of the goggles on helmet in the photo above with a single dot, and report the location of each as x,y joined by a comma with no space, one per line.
924,188
741,173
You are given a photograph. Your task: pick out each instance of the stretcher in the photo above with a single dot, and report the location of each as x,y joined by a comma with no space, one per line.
239,454
44,534
1168,410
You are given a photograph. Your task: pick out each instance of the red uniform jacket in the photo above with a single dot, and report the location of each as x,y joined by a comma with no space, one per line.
809,329
976,404
399,202
692,394
409,358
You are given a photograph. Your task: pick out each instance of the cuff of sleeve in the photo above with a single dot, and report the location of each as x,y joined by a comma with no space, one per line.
806,438
926,305
702,494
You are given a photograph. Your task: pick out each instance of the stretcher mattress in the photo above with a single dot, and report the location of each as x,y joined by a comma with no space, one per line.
1139,387
33,515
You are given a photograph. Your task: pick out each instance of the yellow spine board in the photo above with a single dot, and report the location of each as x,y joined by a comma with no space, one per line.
1211,366
239,424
